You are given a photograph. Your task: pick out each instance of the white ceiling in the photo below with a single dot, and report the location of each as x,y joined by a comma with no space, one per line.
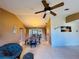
25,9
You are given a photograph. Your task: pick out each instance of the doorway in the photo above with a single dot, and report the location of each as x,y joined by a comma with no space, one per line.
37,32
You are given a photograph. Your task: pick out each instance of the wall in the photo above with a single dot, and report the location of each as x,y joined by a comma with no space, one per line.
62,39
48,30
9,23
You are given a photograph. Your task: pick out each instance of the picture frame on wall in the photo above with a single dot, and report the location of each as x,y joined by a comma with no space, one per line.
66,29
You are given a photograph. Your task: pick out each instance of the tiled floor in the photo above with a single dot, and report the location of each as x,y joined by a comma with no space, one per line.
45,51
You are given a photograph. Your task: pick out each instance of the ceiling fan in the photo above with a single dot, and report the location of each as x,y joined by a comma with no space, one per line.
48,8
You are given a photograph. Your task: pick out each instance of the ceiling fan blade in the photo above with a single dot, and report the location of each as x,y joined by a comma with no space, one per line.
44,15
52,13
39,12
46,5
58,5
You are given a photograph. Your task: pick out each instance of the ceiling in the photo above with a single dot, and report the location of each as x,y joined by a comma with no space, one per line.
25,9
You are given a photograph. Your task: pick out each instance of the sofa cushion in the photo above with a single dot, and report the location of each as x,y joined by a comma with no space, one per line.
6,53
1,53
14,49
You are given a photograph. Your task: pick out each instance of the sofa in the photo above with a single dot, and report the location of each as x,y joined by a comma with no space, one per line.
28,55
10,51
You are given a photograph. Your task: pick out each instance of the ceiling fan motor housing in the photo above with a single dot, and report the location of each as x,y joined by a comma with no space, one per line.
45,9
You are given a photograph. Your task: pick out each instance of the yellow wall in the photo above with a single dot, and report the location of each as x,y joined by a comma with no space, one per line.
48,30
8,21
